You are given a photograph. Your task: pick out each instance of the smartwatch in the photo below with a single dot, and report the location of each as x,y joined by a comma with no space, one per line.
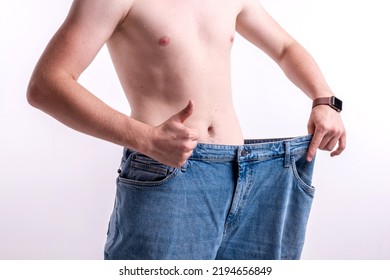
332,101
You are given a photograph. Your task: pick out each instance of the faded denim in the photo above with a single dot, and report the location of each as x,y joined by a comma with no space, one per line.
227,202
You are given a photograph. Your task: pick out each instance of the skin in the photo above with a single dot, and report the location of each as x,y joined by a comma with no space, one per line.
173,60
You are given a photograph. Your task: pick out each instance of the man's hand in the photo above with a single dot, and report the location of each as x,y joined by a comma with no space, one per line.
173,142
327,128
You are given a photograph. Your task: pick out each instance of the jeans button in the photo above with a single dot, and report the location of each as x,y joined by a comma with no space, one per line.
244,152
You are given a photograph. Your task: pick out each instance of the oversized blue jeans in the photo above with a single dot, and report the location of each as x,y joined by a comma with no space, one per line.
226,202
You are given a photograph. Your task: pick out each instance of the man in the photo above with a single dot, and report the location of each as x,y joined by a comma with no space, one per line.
189,188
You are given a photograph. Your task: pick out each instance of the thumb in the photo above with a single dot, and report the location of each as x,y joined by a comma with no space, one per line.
184,114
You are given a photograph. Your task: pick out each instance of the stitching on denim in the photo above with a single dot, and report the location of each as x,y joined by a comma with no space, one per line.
148,184
309,189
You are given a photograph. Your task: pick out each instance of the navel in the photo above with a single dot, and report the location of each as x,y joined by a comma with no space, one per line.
211,131
164,41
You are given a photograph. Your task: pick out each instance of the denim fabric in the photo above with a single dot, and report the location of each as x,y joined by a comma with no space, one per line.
226,202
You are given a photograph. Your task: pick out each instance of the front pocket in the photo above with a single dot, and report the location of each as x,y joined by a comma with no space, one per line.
303,172
139,169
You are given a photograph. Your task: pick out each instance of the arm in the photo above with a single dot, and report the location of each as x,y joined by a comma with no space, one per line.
54,88
258,27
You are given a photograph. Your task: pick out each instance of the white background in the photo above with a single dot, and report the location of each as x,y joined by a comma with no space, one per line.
57,186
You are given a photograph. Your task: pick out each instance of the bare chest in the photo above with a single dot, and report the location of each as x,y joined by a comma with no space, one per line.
198,22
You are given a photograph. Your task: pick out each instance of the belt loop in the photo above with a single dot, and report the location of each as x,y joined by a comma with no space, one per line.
287,157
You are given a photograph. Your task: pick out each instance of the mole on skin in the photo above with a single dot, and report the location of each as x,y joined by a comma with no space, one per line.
164,41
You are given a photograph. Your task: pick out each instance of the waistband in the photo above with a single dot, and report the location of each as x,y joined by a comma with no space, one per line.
252,149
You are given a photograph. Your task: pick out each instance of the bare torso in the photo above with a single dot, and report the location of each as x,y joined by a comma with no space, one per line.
169,52
166,53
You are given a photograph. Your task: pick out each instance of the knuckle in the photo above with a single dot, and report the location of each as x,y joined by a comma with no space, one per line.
342,146
329,148
316,141
321,127
329,129
333,131
186,134
189,146
323,147
184,147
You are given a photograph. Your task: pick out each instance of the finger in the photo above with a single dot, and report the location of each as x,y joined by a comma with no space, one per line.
311,128
330,144
314,144
325,142
341,147
192,146
184,114
193,135
188,134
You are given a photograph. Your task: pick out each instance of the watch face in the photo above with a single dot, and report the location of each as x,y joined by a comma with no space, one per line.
337,103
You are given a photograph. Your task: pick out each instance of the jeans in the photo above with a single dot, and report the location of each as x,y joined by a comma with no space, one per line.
227,202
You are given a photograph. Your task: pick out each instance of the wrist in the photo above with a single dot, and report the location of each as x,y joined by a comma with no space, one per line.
138,135
332,101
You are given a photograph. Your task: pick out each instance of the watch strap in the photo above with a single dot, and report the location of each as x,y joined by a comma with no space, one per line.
327,101
321,101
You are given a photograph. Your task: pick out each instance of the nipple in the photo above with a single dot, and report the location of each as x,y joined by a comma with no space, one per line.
232,39
164,41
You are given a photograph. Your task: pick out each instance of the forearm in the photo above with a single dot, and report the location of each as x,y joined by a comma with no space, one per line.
303,71
60,96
